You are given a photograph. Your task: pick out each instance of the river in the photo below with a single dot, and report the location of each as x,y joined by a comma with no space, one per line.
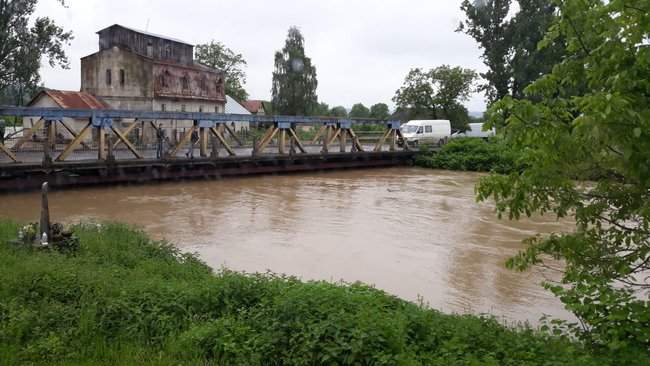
415,233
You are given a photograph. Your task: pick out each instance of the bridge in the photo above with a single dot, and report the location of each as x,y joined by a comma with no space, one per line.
81,147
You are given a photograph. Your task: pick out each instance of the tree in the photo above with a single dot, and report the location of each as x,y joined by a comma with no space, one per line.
437,93
379,111
23,43
294,78
220,57
338,111
453,86
359,111
510,45
528,28
321,109
588,119
416,95
25,79
487,23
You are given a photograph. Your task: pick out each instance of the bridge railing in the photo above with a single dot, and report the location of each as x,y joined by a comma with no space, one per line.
56,135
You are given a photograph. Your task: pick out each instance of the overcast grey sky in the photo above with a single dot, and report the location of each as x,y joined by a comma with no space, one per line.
362,49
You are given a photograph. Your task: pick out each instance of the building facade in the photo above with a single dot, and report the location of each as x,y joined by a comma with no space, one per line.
136,70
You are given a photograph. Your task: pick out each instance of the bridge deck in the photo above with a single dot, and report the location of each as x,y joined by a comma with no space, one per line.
29,176
100,150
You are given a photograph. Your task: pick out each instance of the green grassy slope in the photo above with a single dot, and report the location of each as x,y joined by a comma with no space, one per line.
124,299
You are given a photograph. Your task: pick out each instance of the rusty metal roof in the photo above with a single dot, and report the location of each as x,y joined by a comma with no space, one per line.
253,106
146,34
71,99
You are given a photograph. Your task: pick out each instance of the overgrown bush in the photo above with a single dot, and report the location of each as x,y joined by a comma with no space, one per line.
124,299
471,154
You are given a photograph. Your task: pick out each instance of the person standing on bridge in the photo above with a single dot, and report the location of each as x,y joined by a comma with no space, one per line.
160,140
193,140
2,131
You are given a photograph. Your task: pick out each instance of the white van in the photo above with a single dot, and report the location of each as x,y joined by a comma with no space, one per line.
476,130
426,132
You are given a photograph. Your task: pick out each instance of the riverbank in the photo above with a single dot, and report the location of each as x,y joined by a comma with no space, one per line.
123,299
471,154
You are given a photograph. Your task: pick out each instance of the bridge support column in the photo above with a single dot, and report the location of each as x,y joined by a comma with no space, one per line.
331,133
215,131
266,139
75,142
295,141
282,130
319,134
48,142
203,138
101,138
185,139
121,137
233,134
285,128
392,132
8,152
51,133
356,144
282,141
102,125
27,135
341,131
73,133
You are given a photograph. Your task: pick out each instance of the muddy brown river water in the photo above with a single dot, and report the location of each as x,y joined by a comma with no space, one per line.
412,232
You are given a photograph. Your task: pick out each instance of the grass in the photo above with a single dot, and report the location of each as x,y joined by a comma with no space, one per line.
471,154
123,299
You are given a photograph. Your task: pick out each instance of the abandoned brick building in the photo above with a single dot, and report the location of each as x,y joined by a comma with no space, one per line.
136,70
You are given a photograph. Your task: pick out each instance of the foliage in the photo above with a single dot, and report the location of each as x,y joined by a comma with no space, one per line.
126,300
294,78
437,94
217,56
510,44
379,111
476,119
472,154
528,28
487,23
24,42
321,110
338,111
378,128
359,111
588,118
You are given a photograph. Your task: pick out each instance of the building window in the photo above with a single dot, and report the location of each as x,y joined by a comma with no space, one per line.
122,77
204,84
109,77
185,82
182,107
216,109
165,77
163,107
168,51
201,109
219,86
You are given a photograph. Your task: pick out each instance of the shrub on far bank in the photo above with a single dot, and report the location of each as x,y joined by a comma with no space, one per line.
471,154
123,299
